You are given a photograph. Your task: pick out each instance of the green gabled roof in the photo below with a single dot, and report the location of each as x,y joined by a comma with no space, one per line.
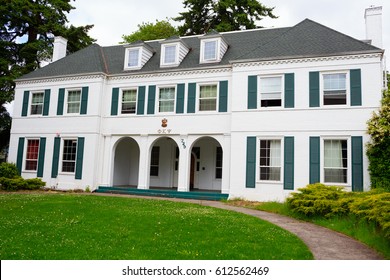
306,39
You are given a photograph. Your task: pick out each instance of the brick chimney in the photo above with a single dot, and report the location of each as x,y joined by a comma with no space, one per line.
59,48
373,17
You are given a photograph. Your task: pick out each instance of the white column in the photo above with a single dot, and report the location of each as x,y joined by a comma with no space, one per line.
184,164
225,188
143,175
107,161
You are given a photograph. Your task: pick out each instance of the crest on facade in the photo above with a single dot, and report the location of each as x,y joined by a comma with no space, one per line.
164,122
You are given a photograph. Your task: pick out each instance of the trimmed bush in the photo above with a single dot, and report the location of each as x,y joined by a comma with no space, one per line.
9,170
34,184
13,184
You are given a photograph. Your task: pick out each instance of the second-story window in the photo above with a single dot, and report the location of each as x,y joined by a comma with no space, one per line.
129,101
271,91
166,99
73,101
37,103
208,98
335,89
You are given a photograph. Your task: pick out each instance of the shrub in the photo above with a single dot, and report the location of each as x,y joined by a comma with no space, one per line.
9,170
14,184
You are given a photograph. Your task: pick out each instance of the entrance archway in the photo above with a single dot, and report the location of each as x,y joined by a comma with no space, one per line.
126,163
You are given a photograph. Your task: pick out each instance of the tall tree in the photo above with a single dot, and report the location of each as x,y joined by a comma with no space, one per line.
27,28
149,31
221,15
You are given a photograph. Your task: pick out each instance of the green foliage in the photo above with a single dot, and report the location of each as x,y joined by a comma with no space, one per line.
221,15
11,181
329,201
378,150
8,170
149,31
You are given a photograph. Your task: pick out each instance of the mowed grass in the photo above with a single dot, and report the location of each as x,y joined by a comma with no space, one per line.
69,226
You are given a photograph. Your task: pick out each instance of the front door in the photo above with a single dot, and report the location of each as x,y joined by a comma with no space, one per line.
192,172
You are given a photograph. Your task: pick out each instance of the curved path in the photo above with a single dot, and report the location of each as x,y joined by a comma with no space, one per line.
325,244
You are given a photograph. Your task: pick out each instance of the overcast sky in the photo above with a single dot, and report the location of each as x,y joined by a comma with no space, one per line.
114,18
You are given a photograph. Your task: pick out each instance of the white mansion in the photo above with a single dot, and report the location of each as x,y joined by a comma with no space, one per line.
253,114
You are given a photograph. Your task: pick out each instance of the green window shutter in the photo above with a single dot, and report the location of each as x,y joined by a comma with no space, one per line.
60,104
314,160
151,99
288,163
46,102
223,96
114,101
357,163
79,158
84,100
314,89
19,157
289,90
26,95
41,156
56,157
191,98
356,87
140,100
250,162
252,92
180,99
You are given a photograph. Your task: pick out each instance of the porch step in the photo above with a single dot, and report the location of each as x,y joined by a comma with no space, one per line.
164,193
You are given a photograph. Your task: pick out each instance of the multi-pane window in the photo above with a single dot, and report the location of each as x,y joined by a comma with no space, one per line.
32,154
218,163
129,101
37,103
335,89
271,91
69,155
74,101
167,99
270,160
133,58
210,50
170,54
335,161
208,98
154,161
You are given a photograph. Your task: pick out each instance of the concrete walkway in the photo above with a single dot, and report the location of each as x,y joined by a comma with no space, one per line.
324,243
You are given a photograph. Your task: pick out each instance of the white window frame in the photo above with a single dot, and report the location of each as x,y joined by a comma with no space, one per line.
270,138
158,99
349,160
62,155
67,103
163,54
25,154
198,97
127,56
121,101
203,50
347,88
281,90
42,104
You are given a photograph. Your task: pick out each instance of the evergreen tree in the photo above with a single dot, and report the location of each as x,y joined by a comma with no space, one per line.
221,15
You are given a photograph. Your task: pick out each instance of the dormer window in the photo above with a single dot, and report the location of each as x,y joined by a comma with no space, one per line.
137,55
173,51
212,48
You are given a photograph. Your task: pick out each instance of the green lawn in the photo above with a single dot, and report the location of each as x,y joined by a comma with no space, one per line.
69,226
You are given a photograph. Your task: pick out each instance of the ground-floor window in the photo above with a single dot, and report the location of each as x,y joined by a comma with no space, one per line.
270,160
32,154
154,161
69,155
335,161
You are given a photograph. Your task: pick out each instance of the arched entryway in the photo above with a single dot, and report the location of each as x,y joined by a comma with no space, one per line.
164,164
126,163
206,165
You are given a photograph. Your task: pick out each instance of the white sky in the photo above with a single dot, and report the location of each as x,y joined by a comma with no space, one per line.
114,18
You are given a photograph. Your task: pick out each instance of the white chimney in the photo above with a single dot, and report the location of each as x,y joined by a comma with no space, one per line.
59,48
373,17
